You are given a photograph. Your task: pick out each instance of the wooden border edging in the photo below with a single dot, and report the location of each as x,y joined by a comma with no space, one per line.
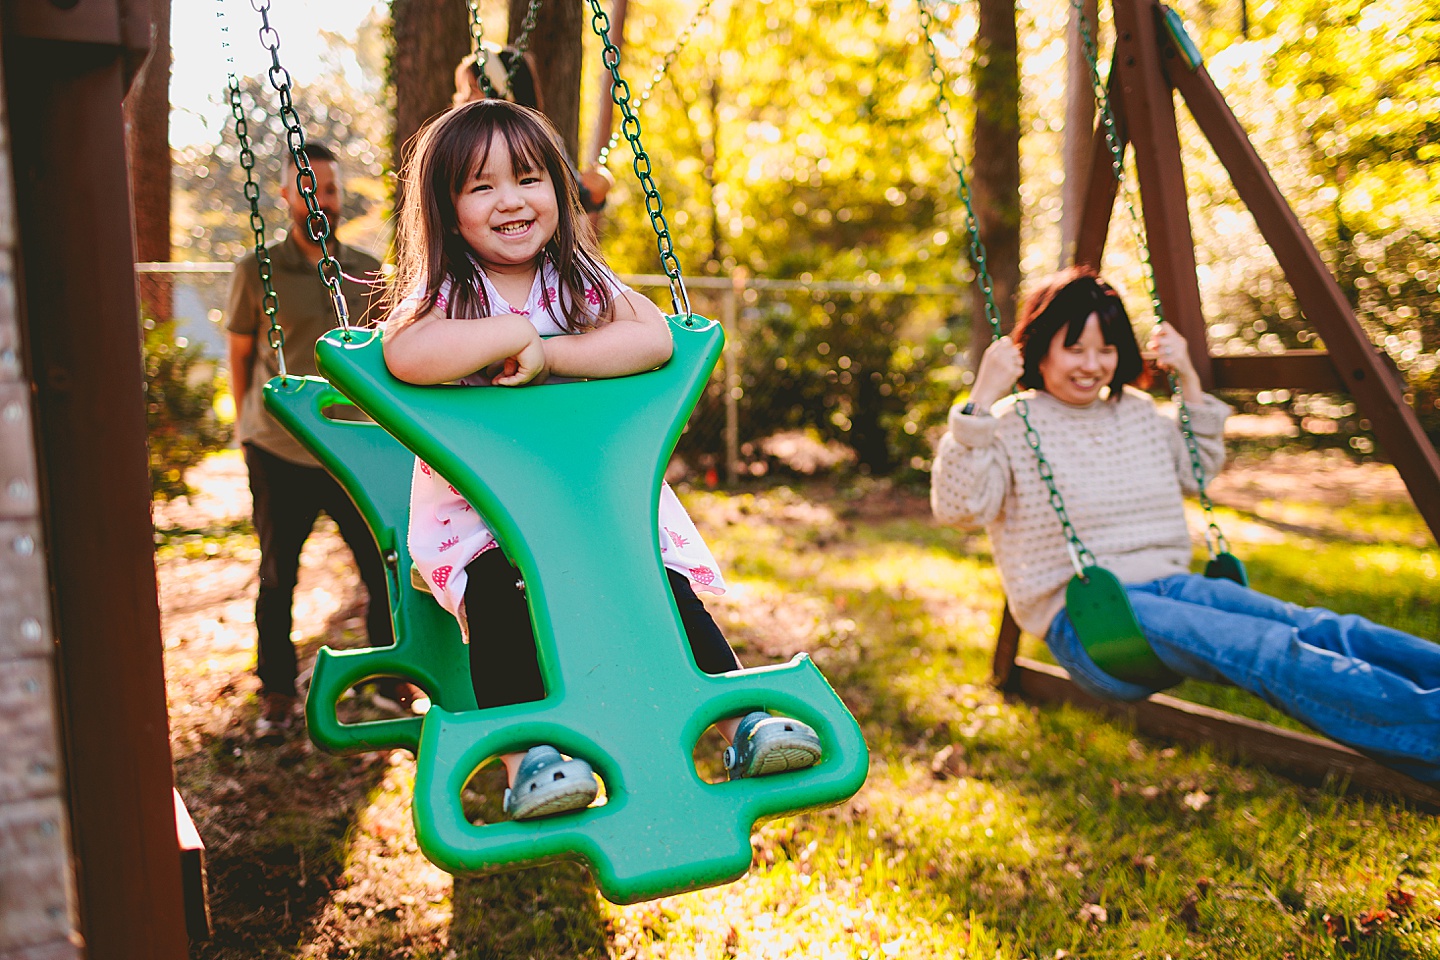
1308,758
192,873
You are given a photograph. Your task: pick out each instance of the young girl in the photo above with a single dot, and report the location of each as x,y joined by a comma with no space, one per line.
1123,470
493,253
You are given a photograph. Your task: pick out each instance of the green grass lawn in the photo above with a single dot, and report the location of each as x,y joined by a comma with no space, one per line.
987,828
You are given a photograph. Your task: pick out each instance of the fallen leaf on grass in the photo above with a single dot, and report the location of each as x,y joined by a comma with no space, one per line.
1399,900
1190,909
1372,920
949,762
1093,914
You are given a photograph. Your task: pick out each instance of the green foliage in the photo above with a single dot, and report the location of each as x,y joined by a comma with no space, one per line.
212,216
838,363
180,387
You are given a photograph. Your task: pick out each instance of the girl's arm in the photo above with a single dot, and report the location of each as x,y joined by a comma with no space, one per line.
438,349
636,339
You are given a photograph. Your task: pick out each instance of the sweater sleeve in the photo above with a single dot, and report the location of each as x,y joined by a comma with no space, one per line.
1207,423
971,475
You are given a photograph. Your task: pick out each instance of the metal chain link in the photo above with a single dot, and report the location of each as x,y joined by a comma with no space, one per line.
270,302
1214,539
482,56
317,224
1080,555
660,70
521,44
477,49
630,126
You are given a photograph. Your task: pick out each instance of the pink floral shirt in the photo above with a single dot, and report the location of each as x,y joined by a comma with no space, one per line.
446,532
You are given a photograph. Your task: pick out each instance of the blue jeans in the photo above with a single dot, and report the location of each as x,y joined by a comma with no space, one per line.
1368,686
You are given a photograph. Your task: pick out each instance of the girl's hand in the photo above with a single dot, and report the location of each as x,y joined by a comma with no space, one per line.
527,366
1172,354
1000,366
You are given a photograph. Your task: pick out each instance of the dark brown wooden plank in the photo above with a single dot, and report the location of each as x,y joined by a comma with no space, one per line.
192,868
1366,376
1100,183
1305,757
82,338
1293,370
1007,645
1150,109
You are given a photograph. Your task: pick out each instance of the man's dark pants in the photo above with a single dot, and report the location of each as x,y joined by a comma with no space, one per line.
288,499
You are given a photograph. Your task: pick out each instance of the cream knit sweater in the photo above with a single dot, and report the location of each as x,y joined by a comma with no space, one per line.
1121,468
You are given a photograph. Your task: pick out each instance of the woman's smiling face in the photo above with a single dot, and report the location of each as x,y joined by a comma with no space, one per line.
1076,373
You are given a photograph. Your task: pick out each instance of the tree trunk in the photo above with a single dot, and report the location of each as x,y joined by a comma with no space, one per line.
555,43
996,164
147,145
430,37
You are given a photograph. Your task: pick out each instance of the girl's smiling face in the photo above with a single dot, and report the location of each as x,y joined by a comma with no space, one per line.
505,215
1076,373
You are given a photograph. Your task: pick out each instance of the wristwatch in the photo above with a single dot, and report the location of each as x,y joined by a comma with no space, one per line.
969,410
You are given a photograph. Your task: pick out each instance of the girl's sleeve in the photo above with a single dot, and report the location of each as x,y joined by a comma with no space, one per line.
971,475
1207,423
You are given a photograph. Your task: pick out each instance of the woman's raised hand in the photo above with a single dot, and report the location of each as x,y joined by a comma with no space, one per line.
1172,354
1000,366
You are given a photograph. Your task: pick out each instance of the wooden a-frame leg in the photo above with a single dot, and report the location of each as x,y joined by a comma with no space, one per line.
1007,645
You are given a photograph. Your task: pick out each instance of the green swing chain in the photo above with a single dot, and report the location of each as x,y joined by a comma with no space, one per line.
1080,555
270,302
630,127
521,44
317,224
1215,541
660,70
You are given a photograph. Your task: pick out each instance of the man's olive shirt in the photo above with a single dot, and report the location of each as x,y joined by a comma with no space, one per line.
304,313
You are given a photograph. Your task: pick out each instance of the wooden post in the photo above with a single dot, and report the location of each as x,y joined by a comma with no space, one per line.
1360,366
729,319
66,71
1079,123
1092,226
1150,108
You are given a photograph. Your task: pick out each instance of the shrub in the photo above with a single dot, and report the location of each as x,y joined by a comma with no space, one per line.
180,386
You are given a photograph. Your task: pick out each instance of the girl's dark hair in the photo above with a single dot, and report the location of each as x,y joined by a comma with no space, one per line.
429,248
1067,299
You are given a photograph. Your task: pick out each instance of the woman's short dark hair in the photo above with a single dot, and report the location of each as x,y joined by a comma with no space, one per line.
1067,299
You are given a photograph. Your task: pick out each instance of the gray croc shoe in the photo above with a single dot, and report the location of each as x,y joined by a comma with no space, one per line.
546,783
765,744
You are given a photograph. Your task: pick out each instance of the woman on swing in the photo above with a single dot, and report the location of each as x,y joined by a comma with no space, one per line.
1123,470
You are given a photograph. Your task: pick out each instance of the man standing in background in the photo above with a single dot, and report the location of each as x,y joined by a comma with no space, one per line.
288,485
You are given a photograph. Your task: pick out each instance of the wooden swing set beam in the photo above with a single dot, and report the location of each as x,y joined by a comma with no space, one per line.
1147,70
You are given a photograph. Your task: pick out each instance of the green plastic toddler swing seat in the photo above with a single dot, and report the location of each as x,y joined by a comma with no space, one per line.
568,477
374,469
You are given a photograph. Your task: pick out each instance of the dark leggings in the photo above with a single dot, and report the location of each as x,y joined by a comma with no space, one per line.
504,665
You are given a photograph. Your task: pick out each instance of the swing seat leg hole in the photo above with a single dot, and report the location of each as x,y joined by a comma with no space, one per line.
383,698
764,744
546,783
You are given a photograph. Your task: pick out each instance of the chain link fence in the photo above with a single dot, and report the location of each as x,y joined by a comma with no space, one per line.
817,375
